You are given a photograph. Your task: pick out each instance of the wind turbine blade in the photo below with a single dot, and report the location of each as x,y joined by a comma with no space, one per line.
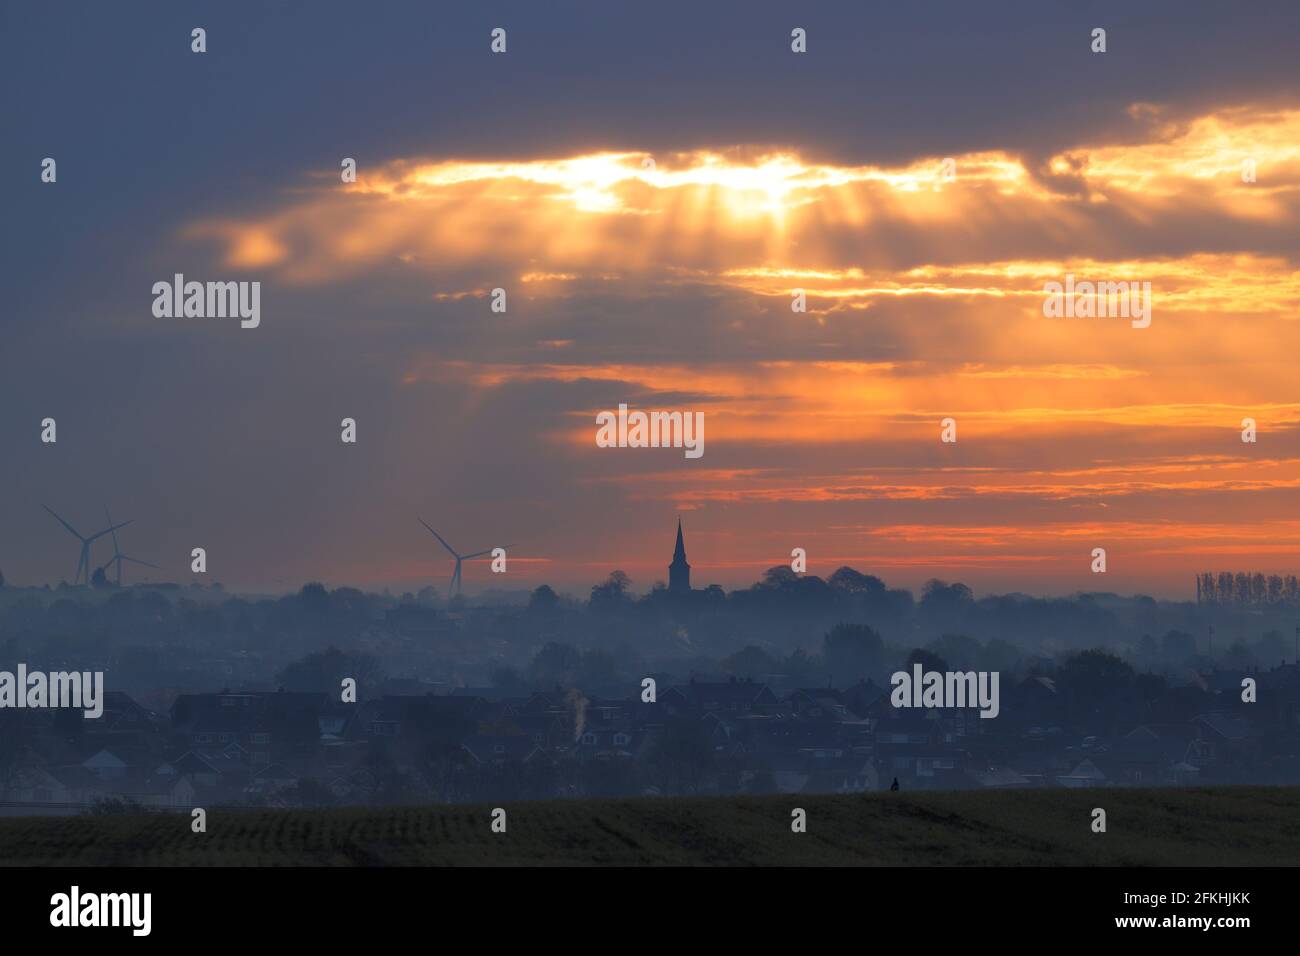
62,522
449,548
111,528
126,557
477,554
107,530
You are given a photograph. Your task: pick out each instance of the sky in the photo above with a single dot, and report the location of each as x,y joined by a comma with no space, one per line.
651,185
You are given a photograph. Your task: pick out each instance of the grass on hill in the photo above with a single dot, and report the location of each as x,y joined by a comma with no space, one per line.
1235,826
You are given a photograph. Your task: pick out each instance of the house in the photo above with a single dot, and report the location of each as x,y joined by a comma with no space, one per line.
911,744
735,697
35,784
268,725
122,716
1085,773
288,722
1279,698
1226,746
820,703
222,772
358,786
429,718
495,695
622,742
1149,755
105,764
82,786
210,720
160,788
268,781
785,733
498,749
1034,702
547,730
342,741
866,699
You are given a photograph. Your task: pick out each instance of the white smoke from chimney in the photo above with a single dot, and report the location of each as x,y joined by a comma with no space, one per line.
578,703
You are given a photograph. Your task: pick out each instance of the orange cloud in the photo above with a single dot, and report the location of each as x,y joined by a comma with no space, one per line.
735,216
924,302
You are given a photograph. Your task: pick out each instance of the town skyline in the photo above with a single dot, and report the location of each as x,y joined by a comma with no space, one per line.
1226,588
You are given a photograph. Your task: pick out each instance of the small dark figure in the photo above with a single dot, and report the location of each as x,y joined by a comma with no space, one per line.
894,785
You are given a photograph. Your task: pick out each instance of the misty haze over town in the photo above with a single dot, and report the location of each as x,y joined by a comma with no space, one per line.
780,687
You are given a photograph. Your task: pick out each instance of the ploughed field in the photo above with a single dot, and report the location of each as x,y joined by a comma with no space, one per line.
1234,826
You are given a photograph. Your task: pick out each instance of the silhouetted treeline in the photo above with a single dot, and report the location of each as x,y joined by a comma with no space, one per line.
157,643
1243,589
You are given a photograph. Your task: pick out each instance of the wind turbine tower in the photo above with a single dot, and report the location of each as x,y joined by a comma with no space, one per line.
118,556
83,561
454,586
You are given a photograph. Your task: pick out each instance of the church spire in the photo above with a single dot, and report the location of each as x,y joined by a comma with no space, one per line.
679,572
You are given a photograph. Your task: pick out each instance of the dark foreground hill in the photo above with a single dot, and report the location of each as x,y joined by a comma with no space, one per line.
1235,826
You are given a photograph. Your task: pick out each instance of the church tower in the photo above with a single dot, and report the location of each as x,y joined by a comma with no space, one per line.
679,572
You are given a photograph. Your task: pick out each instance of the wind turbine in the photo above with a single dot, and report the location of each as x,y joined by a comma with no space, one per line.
83,562
455,575
118,556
